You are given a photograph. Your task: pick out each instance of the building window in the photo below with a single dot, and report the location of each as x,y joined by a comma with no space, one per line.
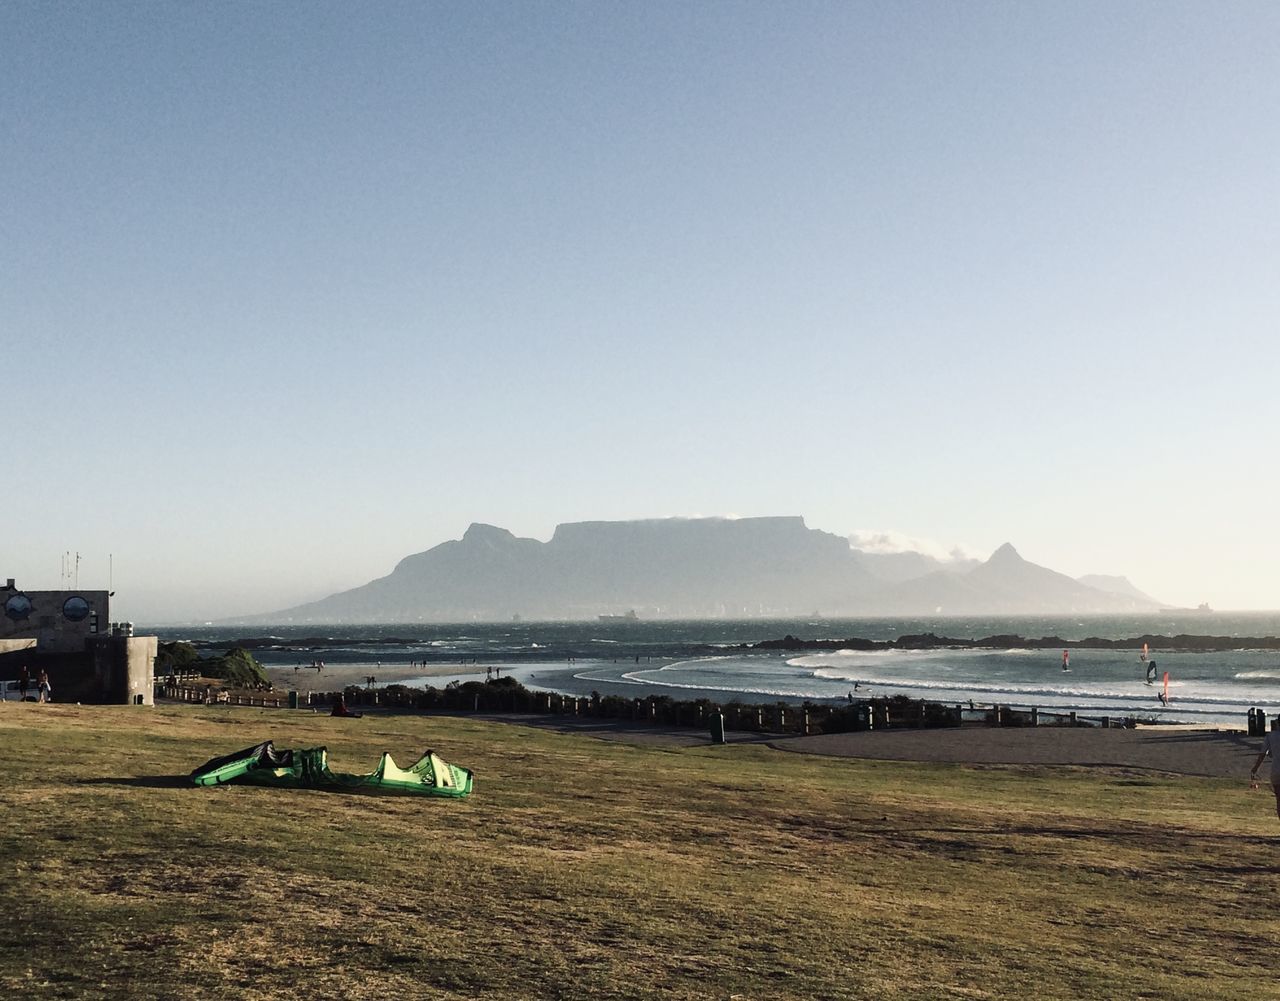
18,607
75,609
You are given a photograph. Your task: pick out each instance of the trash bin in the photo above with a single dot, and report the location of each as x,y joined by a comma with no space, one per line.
1257,723
293,700
1253,722
717,728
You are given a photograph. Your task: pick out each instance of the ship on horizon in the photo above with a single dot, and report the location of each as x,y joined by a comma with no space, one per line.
1202,607
629,617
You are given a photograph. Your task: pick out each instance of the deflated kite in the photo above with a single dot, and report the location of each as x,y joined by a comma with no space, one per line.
263,764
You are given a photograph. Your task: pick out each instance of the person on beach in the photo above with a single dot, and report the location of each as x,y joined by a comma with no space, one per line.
1271,746
24,682
44,691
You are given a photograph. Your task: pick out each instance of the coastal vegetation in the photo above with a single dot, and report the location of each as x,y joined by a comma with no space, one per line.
176,657
583,868
237,667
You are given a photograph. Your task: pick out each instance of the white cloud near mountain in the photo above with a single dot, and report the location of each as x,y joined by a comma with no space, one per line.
883,542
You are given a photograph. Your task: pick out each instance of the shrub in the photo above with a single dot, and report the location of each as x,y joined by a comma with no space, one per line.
237,667
177,656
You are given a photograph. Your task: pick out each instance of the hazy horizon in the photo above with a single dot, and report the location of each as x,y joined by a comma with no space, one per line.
295,291
880,543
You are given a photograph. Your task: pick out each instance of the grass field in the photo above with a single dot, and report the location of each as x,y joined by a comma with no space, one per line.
583,868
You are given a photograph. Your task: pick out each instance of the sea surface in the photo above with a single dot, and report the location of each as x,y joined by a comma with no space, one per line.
704,659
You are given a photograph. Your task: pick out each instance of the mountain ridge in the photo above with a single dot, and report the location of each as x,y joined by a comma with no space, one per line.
694,568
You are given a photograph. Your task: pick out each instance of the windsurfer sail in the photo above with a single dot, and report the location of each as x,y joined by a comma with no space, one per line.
1164,692
1151,671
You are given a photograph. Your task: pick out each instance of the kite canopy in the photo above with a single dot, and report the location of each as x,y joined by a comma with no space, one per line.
263,764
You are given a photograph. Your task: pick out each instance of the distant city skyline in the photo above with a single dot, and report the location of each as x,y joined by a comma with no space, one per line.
290,292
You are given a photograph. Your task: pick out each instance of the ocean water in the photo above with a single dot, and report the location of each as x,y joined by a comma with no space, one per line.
704,659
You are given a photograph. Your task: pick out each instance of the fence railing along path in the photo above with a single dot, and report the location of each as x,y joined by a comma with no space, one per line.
870,714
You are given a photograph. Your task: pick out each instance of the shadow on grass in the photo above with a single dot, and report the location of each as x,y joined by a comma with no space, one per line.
184,782
143,781
1105,834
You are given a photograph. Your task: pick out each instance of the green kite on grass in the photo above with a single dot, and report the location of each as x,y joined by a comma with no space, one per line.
262,764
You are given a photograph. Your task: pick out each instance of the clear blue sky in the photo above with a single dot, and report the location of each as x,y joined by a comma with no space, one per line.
290,291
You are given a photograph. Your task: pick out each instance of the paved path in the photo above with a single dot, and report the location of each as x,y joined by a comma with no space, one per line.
1222,754
627,731
1185,752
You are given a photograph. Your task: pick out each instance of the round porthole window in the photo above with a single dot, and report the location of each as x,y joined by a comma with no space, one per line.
75,609
18,607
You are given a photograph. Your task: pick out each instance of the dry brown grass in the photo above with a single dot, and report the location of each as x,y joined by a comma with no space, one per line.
584,868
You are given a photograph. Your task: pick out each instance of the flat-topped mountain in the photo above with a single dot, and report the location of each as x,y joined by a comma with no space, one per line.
670,568
696,568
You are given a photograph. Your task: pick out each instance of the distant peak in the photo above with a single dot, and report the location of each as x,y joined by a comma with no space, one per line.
1005,553
480,532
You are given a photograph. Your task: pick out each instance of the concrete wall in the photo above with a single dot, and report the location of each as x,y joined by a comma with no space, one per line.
12,646
125,668
59,621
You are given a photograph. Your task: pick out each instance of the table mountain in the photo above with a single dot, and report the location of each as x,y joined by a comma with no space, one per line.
695,568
